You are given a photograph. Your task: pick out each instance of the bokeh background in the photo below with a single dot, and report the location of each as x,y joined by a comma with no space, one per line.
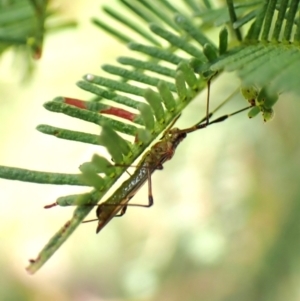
226,220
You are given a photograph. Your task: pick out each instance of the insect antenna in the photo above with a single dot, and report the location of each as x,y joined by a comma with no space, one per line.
204,122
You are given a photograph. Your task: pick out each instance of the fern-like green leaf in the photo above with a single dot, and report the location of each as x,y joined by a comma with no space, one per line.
270,52
144,93
23,26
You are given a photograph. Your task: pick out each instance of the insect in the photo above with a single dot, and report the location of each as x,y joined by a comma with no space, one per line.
153,160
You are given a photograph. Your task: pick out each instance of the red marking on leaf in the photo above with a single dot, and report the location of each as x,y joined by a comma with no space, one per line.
65,226
37,53
119,112
34,260
75,102
50,206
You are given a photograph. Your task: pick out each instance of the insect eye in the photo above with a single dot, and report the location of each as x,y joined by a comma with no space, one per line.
98,211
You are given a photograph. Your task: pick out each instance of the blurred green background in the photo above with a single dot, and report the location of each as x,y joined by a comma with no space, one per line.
226,220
